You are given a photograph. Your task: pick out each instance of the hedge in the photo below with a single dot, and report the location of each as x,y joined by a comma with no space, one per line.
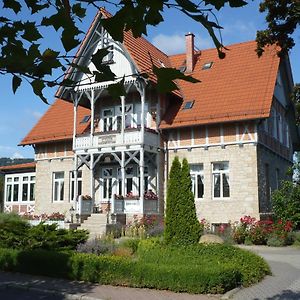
120,271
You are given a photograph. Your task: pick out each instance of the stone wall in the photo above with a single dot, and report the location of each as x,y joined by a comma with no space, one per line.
44,185
271,170
243,198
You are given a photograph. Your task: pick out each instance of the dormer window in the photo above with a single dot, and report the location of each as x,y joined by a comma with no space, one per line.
207,65
85,119
188,104
108,59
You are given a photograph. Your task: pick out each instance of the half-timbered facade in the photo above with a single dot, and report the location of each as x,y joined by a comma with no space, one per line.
236,128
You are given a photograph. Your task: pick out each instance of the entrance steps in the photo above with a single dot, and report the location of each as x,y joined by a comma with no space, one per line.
96,224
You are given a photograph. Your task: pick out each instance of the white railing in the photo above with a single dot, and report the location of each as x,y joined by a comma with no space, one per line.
134,206
113,139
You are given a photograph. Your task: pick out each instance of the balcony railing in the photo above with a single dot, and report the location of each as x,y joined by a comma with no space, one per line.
132,136
134,206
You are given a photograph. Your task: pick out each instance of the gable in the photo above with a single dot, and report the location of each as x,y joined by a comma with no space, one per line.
128,59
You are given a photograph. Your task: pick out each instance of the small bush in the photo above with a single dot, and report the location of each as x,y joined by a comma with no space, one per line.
275,241
97,246
17,233
286,203
251,231
131,244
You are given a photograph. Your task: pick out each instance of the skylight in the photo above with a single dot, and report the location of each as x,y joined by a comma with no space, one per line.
85,119
188,104
207,65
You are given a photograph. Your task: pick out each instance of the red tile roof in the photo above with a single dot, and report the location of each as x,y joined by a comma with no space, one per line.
57,124
23,167
239,87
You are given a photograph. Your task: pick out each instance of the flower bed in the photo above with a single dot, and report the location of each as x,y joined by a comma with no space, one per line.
251,231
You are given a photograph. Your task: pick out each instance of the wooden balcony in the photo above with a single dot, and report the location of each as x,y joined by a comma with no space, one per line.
112,139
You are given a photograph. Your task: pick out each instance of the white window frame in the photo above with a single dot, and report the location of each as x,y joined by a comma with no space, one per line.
61,185
72,184
106,182
19,180
111,118
221,172
196,170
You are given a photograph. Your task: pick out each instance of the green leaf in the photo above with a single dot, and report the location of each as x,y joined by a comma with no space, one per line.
116,90
12,4
68,40
97,58
188,5
16,82
82,69
166,77
34,6
38,86
3,19
78,10
31,32
49,54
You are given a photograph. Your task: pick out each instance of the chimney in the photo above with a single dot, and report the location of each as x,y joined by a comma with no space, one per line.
189,44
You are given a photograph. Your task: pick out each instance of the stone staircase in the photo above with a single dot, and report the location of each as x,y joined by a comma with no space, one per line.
96,224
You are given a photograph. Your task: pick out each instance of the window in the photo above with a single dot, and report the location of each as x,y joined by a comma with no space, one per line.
188,104
108,59
20,188
28,188
107,183
197,180
207,65
85,119
72,185
221,187
277,175
58,186
108,119
9,189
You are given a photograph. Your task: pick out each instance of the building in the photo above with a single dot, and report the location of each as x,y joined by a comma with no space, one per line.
236,128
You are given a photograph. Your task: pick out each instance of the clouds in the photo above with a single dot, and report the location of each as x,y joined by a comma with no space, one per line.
238,31
14,152
175,43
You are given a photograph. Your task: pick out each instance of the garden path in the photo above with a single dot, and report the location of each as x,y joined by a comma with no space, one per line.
284,284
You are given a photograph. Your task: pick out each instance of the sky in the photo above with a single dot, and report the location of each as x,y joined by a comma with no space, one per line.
20,112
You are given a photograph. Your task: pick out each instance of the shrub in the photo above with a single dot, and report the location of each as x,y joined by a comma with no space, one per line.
286,203
16,233
172,202
193,269
275,241
182,226
144,227
97,246
296,238
250,231
13,230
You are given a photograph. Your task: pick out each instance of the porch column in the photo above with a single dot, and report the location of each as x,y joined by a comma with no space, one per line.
158,168
140,84
92,182
142,188
123,172
123,118
92,100
74,123
75,196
